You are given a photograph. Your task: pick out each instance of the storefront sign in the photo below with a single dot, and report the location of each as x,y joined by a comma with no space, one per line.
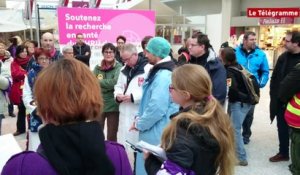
273,12
82,4
100,26
275,21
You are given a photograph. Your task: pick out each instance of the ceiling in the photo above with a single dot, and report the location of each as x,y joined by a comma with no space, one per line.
164,14
195,7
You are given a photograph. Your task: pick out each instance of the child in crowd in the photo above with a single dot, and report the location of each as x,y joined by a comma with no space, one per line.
199,139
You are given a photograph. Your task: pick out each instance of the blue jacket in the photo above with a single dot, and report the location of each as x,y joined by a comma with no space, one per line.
217,73
35,120
155,108
256,63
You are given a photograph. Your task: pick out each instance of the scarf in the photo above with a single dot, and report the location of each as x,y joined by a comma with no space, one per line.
22,61
76,149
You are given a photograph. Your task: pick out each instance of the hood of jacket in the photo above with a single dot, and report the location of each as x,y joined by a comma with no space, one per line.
212,61
168,65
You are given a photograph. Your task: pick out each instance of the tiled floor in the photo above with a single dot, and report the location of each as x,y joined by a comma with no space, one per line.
264,142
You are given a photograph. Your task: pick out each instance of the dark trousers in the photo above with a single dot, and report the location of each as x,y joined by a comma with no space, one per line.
112,123
283,133
295,151
247,124
21,120
10,109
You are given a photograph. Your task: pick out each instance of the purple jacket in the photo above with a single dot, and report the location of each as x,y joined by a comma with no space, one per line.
32,163
28,163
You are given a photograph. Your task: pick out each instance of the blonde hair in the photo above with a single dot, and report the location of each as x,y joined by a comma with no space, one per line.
195,80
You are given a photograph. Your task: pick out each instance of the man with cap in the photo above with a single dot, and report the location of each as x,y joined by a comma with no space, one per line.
156,105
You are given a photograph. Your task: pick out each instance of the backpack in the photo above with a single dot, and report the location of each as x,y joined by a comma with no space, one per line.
251,85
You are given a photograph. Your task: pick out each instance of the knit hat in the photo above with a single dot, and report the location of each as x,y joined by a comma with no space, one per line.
159,47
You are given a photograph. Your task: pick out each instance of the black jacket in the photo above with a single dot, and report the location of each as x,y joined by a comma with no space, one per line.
194,148
279,73
119,58
235,82
80,51
216,72
290,85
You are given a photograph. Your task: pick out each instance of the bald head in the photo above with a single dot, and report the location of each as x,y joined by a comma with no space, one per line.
47,41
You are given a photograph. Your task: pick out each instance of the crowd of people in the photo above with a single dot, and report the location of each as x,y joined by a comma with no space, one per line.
196,107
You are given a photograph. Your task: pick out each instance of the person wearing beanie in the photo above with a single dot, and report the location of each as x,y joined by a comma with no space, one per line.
156,105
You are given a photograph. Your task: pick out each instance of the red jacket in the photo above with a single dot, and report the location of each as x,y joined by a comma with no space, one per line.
18,76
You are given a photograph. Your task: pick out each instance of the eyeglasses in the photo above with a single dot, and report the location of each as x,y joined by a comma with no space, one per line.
193,45
126,60
108,52
43,59
171,87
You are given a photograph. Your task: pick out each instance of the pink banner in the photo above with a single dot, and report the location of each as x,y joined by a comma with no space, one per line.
100,26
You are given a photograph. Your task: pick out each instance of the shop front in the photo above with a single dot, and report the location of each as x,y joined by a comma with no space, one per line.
270,30
272,38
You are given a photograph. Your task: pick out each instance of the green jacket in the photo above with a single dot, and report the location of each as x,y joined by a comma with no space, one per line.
107,80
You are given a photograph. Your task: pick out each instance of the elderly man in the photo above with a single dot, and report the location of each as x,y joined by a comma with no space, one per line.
255,61
82,51
128,91
156,104
68,52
